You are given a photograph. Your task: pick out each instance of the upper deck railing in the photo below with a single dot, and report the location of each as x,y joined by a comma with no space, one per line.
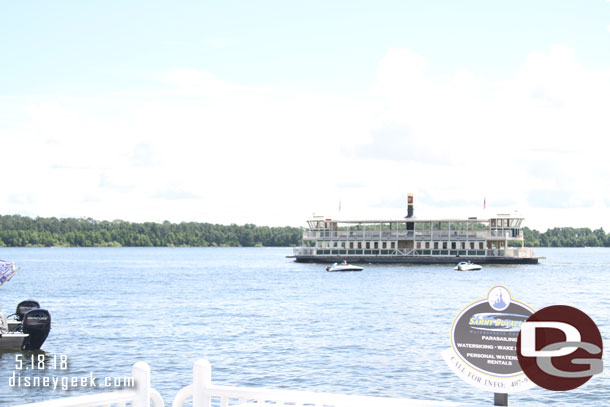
410,235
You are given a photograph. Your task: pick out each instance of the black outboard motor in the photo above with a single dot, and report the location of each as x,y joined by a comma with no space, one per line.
36,323
25,306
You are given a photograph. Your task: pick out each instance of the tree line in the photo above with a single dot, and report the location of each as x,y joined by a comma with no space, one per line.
23,231
567,237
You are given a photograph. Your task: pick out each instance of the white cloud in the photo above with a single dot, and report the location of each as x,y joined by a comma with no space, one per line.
203,148
471,138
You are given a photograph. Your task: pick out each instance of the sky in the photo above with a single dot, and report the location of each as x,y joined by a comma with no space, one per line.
269,112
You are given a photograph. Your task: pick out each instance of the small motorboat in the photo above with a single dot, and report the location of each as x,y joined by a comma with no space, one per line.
28,330
343,267
467,266
30,325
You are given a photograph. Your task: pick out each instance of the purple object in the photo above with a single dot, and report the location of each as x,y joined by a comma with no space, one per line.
7,271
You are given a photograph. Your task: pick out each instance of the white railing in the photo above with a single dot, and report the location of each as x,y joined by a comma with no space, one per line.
141,396
408,235
358,235
206,394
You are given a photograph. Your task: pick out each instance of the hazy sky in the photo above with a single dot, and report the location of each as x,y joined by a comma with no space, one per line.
266,112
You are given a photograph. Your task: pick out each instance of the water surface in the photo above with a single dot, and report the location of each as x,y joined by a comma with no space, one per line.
264,320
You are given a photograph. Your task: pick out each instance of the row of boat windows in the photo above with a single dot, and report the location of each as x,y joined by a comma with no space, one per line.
357,245
505,223
392,245
453,246
393,252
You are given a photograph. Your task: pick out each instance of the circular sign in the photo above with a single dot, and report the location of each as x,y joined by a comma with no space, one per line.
484,334
560,348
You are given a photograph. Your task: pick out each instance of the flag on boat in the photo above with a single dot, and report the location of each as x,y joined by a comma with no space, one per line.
7,271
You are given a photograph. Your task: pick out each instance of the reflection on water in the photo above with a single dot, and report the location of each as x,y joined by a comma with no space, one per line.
263,320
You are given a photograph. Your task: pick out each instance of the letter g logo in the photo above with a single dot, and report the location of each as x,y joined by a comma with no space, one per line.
555,343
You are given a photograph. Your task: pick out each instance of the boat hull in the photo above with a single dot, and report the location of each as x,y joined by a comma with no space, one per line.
414,259
12,341
468,268
344,269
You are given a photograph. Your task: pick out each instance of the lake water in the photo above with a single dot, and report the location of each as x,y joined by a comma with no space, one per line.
264,320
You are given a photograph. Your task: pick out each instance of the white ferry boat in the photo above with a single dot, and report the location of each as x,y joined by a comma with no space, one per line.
411,240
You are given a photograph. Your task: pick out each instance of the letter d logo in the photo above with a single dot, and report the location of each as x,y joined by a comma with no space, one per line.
528,338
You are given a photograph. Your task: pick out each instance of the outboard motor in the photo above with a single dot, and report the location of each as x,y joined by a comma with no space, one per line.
25,306
36,323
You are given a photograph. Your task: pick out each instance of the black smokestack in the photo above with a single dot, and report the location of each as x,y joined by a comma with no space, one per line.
410,206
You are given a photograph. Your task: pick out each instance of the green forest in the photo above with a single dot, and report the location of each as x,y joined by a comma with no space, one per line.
567,237
23,231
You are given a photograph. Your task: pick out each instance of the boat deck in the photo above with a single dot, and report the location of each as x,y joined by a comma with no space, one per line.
415,259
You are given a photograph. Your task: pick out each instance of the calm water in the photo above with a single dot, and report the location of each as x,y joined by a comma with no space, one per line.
263,320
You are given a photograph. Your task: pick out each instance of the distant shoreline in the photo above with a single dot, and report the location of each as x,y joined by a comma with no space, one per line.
23,231
566,237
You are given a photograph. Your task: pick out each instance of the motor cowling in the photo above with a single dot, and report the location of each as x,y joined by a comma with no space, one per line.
37,324
25,306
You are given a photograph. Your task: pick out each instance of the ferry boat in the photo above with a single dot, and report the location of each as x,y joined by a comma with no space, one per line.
417,241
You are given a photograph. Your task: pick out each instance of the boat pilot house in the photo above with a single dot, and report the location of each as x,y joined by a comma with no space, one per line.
413,240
